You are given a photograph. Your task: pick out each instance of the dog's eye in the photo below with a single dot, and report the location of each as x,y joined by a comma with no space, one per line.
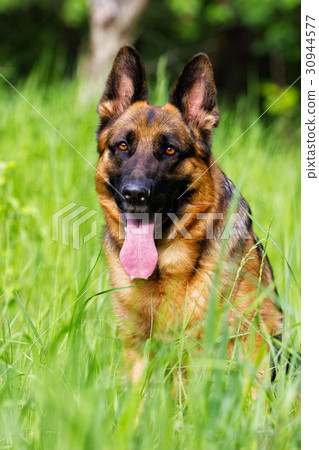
170,150
122,146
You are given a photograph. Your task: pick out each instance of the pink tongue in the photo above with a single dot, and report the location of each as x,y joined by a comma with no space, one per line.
138,255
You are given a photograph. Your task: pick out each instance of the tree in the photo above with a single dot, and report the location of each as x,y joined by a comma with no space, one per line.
111,26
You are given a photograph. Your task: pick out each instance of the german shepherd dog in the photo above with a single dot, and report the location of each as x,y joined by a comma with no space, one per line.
157,162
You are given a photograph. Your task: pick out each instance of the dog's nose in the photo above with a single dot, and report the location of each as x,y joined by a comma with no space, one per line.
135,193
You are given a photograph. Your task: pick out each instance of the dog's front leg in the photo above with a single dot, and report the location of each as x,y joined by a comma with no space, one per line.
134,364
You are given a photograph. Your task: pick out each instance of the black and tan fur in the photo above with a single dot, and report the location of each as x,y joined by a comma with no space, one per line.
184,265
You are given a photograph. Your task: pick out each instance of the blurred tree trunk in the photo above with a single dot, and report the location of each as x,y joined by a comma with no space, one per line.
111,26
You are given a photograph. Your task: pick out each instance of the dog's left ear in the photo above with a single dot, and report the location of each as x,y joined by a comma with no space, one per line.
125,85
194,94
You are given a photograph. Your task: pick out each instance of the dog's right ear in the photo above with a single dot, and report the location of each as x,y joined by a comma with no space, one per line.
194,94
125,85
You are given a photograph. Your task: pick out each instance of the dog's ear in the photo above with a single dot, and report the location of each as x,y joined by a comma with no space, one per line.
194,94
125,85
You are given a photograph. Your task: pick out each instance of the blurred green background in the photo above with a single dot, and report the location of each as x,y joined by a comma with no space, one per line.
254,45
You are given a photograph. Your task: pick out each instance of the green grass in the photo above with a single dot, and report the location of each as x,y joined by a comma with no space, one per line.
62,382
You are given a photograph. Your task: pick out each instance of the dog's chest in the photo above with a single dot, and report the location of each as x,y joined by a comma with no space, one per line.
160,307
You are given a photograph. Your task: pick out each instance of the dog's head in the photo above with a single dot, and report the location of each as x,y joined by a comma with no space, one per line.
152,154
151,157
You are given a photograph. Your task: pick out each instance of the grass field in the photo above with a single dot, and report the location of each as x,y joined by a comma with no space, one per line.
62,378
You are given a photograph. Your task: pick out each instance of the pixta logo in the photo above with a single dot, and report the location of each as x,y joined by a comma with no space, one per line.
68,222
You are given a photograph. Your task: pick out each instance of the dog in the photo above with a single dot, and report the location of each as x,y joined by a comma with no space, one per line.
157,162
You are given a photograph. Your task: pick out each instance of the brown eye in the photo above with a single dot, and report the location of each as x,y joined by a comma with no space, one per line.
122,146
170,151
